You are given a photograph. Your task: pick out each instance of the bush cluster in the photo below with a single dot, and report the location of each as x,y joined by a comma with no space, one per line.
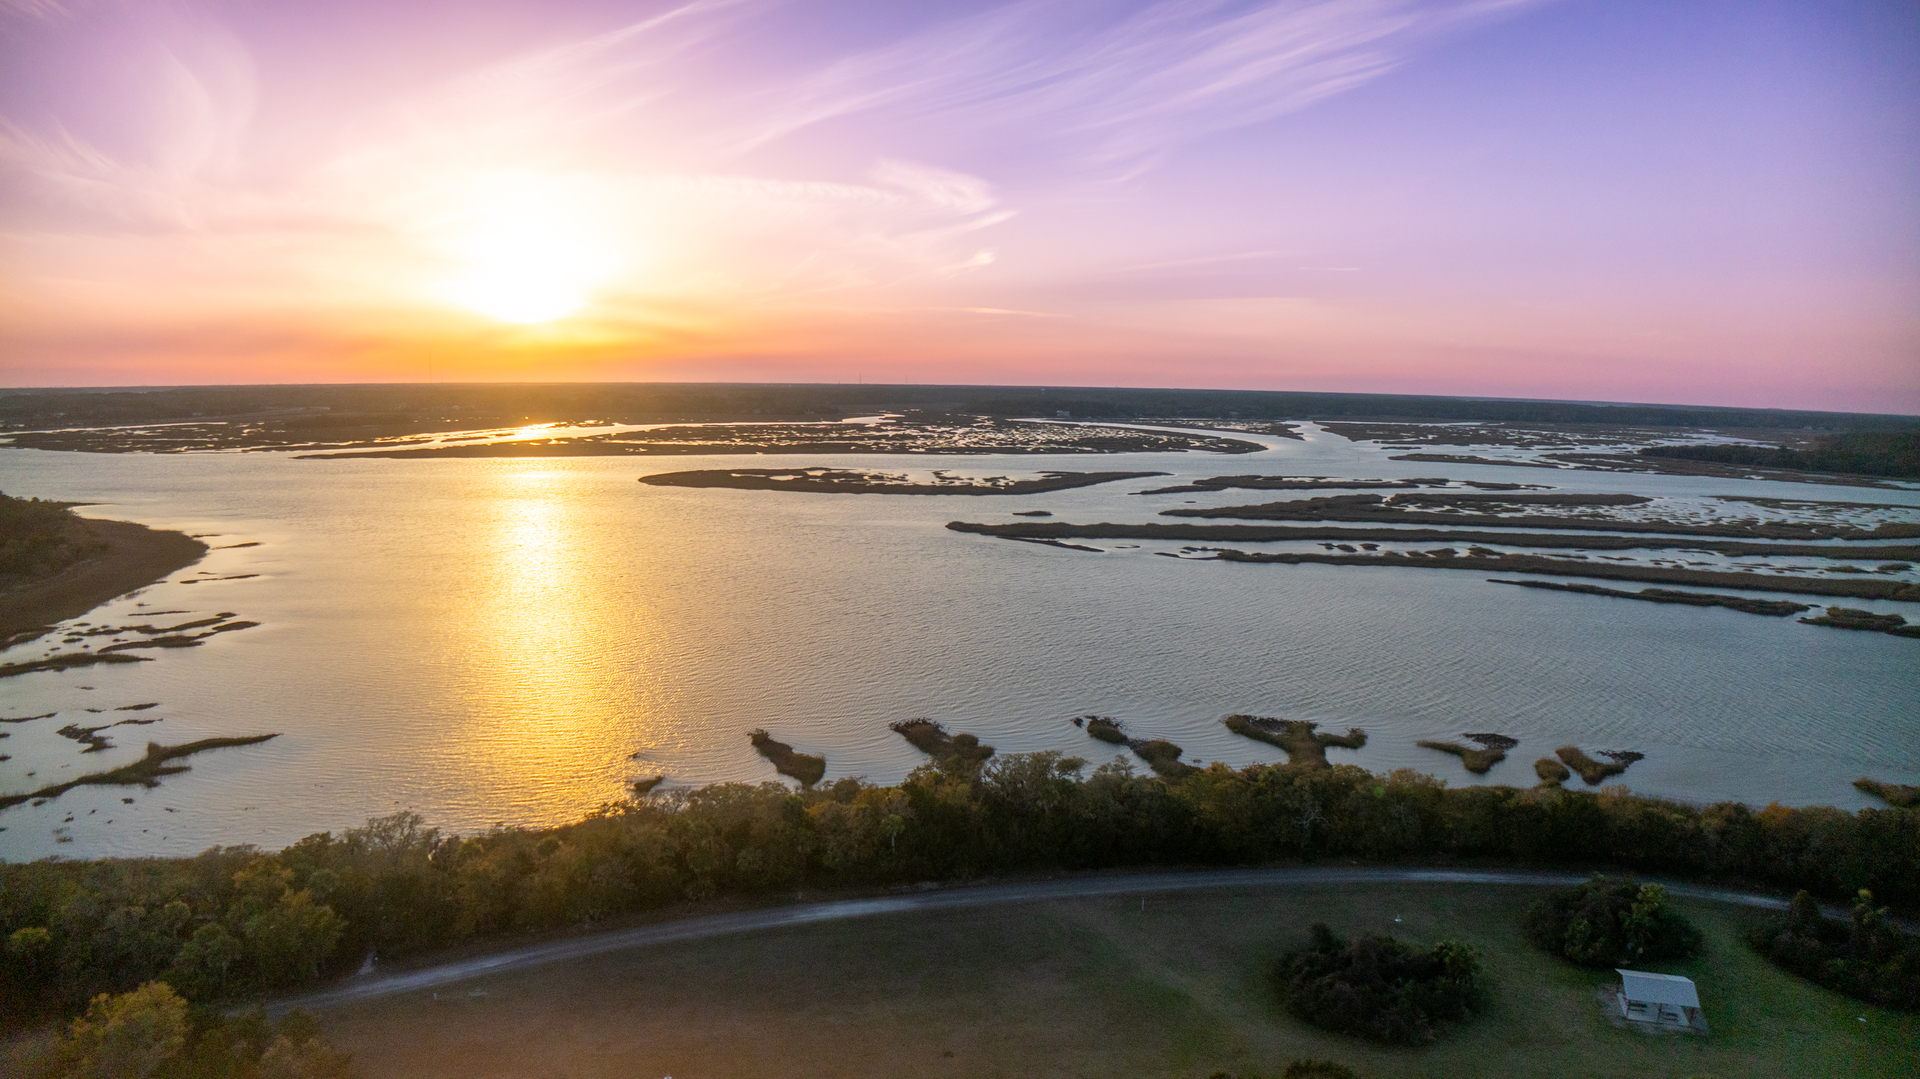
1866,957
38,538
1379,988
237,921
152,1033
1607,922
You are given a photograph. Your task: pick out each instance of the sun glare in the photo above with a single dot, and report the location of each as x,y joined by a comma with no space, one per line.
528,268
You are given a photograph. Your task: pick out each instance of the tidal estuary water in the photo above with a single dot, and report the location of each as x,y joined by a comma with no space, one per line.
516,640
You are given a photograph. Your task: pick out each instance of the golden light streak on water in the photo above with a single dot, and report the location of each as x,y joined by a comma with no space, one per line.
550,709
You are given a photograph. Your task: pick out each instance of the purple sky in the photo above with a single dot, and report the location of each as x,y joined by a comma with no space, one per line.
1712,201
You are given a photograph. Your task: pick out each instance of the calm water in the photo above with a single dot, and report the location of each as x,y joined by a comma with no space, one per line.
495,640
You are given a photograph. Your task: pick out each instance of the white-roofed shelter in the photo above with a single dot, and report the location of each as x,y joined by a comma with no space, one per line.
1666,999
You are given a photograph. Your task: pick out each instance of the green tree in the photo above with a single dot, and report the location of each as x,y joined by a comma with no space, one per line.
203,964
128,1036
289,941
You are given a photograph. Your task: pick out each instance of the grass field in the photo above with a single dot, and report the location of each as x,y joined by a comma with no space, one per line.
1097,987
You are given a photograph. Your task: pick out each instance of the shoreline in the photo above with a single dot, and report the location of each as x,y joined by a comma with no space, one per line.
136,556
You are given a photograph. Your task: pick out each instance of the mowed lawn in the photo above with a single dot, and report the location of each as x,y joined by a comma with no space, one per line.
1098,987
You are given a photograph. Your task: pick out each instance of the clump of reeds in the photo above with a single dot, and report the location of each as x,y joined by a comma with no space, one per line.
1478,761
951,751
1163,757
1594,771
1850,618
1894,794
926,735
1303,743
1551,772
967,747
805,767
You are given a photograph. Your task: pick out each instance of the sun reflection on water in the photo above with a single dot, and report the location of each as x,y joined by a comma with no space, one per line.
552,687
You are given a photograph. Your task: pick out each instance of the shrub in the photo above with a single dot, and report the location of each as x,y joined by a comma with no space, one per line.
128,1035
1379,988
1606,922
152,1033
1868,959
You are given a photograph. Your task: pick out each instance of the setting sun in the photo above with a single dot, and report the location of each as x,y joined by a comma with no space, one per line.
528,268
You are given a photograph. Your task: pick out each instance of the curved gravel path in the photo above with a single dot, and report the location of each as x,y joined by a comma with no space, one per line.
373,986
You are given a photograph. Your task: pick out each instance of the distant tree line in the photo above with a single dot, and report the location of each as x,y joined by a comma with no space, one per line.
1864,453
483,404
237,921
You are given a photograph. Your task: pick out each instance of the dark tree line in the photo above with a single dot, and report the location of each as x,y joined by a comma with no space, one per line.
234,922
350,405
1862,453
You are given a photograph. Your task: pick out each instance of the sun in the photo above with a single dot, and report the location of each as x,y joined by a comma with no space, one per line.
528,267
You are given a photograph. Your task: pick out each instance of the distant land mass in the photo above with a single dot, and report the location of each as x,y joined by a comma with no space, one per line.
313,409
587,419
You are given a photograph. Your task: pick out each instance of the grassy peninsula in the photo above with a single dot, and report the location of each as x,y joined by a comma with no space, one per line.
145,772
55,565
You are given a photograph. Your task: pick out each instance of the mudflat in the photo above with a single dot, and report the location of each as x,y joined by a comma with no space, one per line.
135,556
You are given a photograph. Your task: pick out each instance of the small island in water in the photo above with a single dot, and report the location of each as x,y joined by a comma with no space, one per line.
854,481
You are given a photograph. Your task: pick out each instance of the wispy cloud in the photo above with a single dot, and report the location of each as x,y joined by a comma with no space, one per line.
1126,84
39,9
643,137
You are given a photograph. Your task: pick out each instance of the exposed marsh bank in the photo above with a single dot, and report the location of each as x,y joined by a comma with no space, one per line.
1288,533
1455,510
1446,558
